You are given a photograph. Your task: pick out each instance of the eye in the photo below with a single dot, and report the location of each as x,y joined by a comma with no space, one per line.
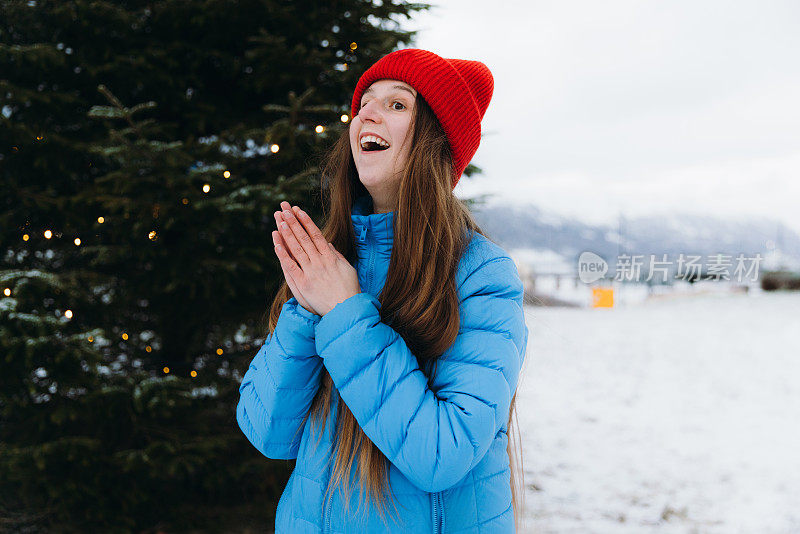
365,102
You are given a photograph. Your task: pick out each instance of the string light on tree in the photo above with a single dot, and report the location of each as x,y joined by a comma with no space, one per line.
152,235
206,188
68,314
193,373
101,220
91,339
274,148
319,129
77,241
48,234
219,352
353,46
226,174
166,370
124,336
344,118
185,201
7,292
25,237
148,348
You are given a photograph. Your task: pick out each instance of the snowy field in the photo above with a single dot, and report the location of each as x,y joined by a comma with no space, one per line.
672,416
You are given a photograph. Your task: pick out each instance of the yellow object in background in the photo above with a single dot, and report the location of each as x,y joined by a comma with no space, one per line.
602,297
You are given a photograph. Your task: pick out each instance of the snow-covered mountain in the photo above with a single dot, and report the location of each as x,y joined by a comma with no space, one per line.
560,240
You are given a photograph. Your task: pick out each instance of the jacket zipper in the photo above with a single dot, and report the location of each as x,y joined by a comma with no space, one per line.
326,515
371,264
441,513
327,526
363,239
437,513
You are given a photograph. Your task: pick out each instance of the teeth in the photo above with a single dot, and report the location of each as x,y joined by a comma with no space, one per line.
374,139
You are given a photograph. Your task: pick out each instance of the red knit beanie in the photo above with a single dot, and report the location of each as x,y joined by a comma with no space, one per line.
458,91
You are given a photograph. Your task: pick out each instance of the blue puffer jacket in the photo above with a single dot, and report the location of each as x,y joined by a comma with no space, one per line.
449,469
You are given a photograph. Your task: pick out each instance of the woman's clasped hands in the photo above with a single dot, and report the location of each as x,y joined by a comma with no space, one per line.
316,273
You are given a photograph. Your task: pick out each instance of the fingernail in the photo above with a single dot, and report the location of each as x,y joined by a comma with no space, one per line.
287,213
284,226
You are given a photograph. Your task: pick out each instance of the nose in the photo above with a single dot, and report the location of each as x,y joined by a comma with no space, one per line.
370,111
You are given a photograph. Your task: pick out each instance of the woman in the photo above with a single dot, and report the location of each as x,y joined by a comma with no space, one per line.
393,380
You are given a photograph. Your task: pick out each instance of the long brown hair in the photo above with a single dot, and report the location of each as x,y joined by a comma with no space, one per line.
419,299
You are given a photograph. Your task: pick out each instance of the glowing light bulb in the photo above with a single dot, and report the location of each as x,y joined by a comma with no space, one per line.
77,241
101,220
25,237
68,314
48,234
219,352
319,129
124,336
7,292
206,188
226,174
344,118
166,370
274,148
193,373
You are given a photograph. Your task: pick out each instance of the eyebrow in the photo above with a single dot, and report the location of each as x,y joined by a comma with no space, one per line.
396,86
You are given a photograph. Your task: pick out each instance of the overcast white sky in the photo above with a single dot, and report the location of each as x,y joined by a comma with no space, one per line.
631,105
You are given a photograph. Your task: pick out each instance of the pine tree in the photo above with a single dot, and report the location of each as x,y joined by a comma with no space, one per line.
143,149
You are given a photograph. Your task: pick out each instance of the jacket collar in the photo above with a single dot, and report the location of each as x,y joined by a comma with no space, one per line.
372,229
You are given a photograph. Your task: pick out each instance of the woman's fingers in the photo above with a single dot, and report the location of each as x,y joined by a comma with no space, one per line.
303,239
294,246
302,232
290,281
313,231
288,264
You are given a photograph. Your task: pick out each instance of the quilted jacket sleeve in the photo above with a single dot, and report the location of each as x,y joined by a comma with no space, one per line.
433,437
278,387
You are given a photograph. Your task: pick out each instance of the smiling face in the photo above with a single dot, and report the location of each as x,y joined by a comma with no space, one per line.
384,118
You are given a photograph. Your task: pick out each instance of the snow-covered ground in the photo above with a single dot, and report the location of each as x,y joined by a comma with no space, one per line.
669,416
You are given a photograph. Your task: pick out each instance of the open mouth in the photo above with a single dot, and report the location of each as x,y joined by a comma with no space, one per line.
371,143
